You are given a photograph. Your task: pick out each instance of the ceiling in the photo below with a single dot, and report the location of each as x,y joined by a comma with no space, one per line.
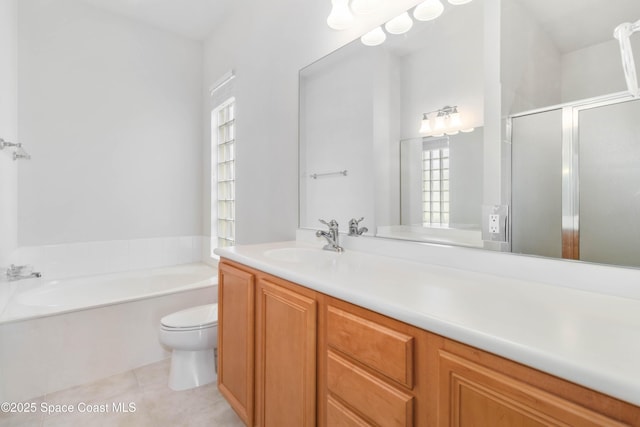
572,24
194,19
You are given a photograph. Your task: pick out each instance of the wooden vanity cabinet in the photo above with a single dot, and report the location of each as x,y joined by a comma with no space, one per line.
370,368
476,388
266,347
236,320
286,324
289,356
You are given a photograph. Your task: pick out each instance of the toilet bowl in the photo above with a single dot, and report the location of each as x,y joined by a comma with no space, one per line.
192,335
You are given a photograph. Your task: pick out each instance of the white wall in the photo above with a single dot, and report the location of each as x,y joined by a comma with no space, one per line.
536,74
531,72
595,70
110,110
446,72
337,130
267,44
8,129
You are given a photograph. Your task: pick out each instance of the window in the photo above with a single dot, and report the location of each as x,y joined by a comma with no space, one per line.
223,174
435,186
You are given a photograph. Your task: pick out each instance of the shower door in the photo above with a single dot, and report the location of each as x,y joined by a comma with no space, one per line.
609,152
576,182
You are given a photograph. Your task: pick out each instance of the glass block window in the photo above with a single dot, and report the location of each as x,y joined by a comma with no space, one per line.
223,176
435,186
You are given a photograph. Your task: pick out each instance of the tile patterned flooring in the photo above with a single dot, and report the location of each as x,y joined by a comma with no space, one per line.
145,389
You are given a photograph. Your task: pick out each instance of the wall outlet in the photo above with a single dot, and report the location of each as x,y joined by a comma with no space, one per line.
494,223
495,220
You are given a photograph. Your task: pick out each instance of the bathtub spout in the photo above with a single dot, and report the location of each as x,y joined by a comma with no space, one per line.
20,272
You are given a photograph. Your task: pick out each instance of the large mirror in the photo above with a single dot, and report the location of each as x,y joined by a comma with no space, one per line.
361,104
555,137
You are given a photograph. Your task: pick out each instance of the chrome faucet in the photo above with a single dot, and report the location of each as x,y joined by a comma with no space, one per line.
19,272
332,236
353,227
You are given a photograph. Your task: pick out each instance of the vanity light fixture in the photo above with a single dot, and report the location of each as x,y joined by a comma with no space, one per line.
428,10
454,118
340,17
425,127
400,24
439,120
446,121
374,37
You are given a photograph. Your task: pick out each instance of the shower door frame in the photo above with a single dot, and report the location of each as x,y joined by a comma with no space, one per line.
570,163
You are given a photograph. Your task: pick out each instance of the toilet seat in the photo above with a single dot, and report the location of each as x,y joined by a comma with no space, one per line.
194,318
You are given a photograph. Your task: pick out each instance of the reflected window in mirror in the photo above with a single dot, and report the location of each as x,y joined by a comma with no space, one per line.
435,183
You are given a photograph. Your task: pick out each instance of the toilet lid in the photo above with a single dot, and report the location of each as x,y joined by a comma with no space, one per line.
202,315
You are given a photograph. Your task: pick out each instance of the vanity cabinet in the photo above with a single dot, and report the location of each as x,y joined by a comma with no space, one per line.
266,347
370,369
474,385
318,360
236,322
286,319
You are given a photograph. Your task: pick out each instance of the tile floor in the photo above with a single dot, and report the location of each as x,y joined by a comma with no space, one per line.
143,390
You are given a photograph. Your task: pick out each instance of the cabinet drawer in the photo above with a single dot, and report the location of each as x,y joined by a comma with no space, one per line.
339,416
378,401
383,349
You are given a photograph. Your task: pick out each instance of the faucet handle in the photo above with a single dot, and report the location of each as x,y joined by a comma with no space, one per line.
353,227
355,221
331,224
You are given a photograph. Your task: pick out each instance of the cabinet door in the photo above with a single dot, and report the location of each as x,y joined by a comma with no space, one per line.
285,356
236,339
473,395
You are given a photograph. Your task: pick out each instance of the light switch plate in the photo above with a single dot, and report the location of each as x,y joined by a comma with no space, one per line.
495,221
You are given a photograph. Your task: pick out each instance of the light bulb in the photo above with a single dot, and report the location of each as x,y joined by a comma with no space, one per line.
340,17
454,119
439,125
459,2
400,24
374,37
428,10
425,127
364,7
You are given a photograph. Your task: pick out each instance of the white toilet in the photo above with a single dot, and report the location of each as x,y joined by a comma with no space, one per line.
193,336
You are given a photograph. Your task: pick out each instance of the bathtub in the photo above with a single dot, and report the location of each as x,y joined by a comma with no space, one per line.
55,334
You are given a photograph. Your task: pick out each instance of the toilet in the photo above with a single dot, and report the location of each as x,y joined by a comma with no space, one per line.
192,335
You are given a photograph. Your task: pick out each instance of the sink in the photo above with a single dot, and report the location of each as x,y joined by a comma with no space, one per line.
300,255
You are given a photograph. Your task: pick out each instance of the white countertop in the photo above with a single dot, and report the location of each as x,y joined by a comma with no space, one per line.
589,338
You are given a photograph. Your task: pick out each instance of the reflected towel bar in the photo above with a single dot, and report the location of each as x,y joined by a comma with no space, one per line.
317,175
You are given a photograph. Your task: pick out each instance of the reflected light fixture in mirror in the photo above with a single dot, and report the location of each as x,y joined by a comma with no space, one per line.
425,127
447,121
365,7
340,17
400,24
374,37
428,10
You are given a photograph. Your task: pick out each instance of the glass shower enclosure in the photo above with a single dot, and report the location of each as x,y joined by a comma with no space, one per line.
576,181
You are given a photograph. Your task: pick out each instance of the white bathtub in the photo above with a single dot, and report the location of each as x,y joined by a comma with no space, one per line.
61,333
38,297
